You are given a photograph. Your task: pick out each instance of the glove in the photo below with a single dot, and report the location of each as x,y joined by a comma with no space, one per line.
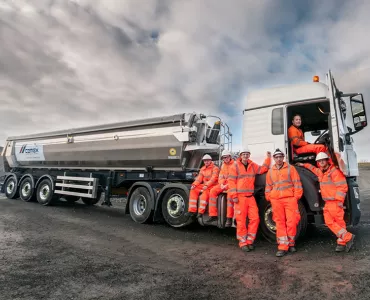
235,200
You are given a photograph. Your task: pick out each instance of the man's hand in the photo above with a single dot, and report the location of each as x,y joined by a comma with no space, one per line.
235,200
192,187
224,186
204,188
268,154
299,164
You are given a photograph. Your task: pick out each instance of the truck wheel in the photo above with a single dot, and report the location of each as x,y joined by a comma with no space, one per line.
26,190
11,189
45,194
174,207
140,205
268,226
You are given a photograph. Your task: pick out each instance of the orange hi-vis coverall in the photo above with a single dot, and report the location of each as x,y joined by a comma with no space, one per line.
241,187
333,187
283,190
300,146
207,177
216,190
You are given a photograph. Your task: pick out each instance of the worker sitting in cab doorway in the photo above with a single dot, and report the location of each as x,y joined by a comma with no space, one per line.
222,187
284,189
333,187
296,137
206,179
241,189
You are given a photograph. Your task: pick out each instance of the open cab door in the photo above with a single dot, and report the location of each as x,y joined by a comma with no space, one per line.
347,117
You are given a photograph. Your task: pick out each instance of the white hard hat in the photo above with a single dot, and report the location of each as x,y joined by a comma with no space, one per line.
321,155
278,152
207,156
225,153
245,150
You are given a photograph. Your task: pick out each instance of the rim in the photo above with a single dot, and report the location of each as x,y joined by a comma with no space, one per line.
270,224
44,192
176,206
26,189
139,205
10,187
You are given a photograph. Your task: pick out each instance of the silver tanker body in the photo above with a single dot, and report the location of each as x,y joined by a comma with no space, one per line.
174,142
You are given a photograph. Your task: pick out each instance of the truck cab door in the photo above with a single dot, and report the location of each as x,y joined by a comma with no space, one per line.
342,143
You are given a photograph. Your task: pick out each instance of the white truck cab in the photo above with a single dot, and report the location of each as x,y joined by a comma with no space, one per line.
329,117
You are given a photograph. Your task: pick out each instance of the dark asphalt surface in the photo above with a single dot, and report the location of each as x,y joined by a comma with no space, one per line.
79,252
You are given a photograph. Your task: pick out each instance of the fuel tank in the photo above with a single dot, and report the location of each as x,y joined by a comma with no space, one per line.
164,143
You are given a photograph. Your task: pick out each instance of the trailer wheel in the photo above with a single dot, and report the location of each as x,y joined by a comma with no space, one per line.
45,194
26,190
11,188
268,226
140,205
174,207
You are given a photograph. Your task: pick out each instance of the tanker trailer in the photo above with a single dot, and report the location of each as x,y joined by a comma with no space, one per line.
150,162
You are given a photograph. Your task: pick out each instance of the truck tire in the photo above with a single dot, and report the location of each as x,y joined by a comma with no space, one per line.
174,207
268,227
45,193
140,205
26,190
11,188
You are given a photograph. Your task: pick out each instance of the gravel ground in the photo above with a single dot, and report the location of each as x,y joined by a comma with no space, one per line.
78,252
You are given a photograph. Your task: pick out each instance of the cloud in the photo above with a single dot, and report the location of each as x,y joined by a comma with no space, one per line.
74,63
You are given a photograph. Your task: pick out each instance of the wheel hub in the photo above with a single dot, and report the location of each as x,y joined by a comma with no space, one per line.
270,224
44,192
175,206
26,189
10,187
140,204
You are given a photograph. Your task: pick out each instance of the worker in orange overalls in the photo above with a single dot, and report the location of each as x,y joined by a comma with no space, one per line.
333,187
241,189
206,179
284,189
220,188
296,137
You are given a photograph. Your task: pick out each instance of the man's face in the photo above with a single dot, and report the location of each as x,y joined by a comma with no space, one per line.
279,159
245,156
323,163
207,162
297,121
226,158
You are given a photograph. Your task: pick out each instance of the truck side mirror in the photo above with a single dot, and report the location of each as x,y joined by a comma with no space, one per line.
358,112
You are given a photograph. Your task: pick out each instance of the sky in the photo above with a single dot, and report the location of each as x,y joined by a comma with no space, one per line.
65,64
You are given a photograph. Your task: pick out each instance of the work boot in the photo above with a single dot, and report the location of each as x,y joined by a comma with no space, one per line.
340,248
199,215
292,249
245,249
229,222
190,214
251,247
350,243
211,219
280,253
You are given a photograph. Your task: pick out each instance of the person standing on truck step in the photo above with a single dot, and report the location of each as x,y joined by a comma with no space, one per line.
241,189
296,137
206,179
333,187
221,187
283,190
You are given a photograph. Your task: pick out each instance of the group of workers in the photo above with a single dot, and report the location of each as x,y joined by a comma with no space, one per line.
283,190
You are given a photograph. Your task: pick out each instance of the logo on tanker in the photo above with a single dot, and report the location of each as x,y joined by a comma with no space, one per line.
25,149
